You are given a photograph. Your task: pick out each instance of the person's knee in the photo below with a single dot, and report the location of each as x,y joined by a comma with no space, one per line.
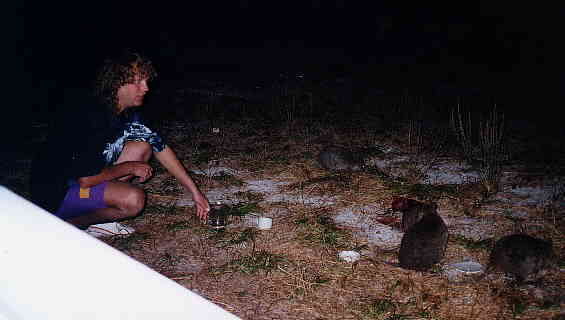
133,203
137,150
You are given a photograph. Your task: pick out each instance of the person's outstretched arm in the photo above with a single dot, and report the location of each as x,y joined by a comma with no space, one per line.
169,160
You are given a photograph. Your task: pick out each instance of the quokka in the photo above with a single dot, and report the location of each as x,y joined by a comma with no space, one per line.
522,256
334,158
425,234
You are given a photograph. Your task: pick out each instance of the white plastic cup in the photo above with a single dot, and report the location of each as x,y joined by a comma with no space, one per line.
349,256
264,223
251,220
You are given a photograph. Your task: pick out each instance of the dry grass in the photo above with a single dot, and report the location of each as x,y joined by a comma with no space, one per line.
292,271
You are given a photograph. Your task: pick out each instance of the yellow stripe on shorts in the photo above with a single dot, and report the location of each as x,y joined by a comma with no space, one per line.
84,193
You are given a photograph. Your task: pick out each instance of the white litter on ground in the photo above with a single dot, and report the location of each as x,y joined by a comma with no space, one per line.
359,219
450,173
377,234
224,195
471,228
534,196
316,200
271,190
265,186
216,171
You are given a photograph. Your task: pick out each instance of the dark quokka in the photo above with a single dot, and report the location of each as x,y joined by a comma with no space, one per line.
412,211
425,234
338,159
523,256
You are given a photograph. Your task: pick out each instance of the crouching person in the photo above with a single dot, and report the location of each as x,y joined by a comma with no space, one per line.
98,144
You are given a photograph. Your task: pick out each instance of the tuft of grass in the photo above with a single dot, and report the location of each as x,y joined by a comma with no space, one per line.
217,235
485,146
253,263
178,226
243,237
228,179
424,191
242,209
484,244
517,306
278,159
250,196
416,137
301,221
321,230
377,308
436,269
239,209
425,314
421,190
493,151
462,127
398,317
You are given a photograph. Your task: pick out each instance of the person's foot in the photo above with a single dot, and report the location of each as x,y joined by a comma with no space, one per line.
109,229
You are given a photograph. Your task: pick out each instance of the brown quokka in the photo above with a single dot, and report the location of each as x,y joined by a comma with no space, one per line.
338,159
523,256
425,234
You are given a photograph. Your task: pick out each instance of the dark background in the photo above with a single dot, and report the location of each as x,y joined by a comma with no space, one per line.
509,50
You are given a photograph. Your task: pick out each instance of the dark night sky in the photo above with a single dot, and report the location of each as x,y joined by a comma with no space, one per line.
511,49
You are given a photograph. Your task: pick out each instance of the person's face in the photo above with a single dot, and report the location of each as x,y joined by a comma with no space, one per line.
131,94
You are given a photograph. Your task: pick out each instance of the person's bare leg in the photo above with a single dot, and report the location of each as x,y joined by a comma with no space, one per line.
123,200
134,151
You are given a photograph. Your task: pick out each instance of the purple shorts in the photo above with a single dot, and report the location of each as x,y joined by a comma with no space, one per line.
80,201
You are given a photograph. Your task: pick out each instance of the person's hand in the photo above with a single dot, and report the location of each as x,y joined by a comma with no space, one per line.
140,169
202,205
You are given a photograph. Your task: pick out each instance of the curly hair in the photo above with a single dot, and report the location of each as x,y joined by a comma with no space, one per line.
118,71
